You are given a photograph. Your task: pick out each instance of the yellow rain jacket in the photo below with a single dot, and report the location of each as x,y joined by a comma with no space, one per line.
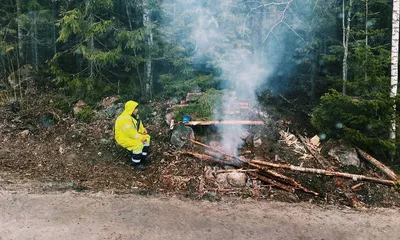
127,133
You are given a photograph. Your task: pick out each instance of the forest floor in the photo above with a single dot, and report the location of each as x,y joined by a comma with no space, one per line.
72,155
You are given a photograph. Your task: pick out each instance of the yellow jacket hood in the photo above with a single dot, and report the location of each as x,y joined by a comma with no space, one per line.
129,107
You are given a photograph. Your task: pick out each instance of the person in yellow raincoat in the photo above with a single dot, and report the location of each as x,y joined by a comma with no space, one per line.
131,134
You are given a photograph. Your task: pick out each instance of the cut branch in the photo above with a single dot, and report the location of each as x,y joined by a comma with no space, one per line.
283,178
290,181
273,182
355,177
226,122
237,170
387,171
206,146
213,157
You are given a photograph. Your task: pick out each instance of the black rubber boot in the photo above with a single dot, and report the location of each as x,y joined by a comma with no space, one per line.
138,166
146,160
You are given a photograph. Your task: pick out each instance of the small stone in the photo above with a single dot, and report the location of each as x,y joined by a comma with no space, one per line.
169,117
61,150
24,133
257,142
105,141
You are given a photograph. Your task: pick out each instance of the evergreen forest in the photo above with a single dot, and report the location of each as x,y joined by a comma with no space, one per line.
332,56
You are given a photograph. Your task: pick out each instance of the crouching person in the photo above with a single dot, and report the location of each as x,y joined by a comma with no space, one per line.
131,134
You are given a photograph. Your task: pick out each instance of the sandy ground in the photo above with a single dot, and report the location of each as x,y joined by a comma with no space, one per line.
74,215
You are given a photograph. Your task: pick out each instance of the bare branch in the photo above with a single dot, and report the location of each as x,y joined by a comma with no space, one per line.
280,21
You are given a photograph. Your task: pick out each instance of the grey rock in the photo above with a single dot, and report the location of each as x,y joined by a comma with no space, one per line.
345,155
105,141
211,196
111,111
180,132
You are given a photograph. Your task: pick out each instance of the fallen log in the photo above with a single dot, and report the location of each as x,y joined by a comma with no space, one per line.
206,146
211,158
226,122
355,177
202,157
387,171
290,181
273,182
237,170
284,178
224,158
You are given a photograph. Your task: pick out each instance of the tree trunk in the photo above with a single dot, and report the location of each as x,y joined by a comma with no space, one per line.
313,77
394,63
20,34
91,50
34,42
54,14
346,35
128,14
147,92
366,40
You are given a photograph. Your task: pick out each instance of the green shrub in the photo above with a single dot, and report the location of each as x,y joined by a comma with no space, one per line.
362,122
145,112
207,107
179,87
85,115
61,103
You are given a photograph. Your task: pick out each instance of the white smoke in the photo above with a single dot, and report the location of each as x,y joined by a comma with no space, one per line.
234,35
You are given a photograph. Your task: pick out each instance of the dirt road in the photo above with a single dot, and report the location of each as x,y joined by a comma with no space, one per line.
104,216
